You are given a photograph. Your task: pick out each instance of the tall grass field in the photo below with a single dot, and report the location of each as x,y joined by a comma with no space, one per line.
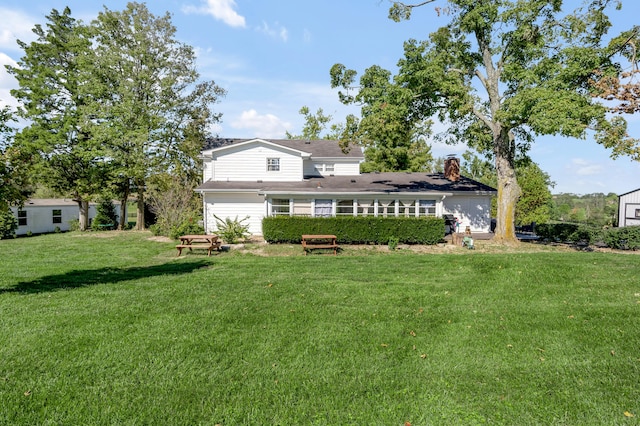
114,329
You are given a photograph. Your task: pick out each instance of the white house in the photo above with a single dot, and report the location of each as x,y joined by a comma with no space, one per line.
267,177
44,215
629,208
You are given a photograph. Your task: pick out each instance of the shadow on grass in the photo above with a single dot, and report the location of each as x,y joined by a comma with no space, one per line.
83,278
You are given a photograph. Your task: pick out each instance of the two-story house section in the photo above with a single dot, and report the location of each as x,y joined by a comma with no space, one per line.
267,177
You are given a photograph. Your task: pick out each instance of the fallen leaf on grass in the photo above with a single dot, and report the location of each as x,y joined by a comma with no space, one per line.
413,333
384,345
27,393
628,414
423,356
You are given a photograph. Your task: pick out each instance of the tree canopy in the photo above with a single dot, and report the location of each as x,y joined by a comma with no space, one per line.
111,103
500,73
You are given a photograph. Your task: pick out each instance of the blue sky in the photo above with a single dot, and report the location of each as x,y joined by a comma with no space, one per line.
274,56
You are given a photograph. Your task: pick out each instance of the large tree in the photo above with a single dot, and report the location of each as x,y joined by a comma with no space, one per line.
392,133
50,78
151,113
14,179
504,71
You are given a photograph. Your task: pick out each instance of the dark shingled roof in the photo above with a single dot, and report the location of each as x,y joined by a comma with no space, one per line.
318,148
389,182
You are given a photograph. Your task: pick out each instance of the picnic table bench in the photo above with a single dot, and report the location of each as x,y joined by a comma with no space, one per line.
205,242
313,242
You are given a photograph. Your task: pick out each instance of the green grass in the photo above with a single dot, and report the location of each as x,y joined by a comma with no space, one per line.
118,330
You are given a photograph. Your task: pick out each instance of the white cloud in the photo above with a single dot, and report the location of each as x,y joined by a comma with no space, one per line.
7,82
266,126
582,167
15,26
222,10
277,32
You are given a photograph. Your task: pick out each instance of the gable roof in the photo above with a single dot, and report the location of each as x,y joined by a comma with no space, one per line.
371,183
321,148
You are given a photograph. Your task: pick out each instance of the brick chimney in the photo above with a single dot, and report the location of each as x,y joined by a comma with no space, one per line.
452,168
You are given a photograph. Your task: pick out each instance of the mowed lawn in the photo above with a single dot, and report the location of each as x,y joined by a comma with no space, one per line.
113,328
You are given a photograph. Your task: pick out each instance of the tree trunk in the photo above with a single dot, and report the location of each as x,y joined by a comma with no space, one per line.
140,209
83,217
508,189
122,223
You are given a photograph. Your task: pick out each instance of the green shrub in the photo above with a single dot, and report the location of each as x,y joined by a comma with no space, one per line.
627,238
393,243
106,217
355,230
232,231
74,225
8,224
190,226
567,232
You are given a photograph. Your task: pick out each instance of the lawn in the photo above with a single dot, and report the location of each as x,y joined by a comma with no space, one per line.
113,328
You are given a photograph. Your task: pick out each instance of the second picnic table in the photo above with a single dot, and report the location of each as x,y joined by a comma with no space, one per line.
312,242
206,242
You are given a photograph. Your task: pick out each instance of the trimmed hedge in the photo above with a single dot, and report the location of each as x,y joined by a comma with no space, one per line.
355,230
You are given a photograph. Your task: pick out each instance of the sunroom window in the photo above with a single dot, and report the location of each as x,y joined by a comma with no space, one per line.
344,208
427,207
386,208
280,207
407,208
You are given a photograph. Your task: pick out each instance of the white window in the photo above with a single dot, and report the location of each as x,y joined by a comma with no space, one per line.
386,208
273,164
407,208
302,208
323,208
637,213
280,207
365,207
344,208
427,207
329,168
57,216
22,218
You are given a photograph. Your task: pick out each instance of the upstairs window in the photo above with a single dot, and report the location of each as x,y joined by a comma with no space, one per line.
57,215
22,218
273,164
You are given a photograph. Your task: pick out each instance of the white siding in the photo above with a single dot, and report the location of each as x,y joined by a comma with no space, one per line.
230,205
472,211
347,168
629,208
340,167
249,163
40,217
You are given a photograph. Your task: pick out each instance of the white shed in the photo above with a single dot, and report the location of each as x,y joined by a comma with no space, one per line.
629,208
44,215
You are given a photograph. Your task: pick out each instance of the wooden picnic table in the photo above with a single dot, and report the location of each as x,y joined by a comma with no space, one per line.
312,242
205,242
